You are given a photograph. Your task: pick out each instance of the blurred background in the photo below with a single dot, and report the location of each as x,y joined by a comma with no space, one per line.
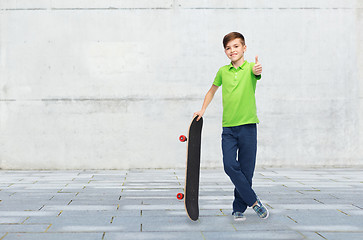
111,84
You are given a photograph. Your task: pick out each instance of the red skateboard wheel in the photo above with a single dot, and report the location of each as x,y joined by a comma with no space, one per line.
182,138
180,196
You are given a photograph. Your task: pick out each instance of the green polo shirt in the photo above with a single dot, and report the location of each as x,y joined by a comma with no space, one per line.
238,93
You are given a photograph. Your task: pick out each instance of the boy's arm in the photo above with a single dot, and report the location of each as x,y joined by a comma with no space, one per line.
257,69
207,99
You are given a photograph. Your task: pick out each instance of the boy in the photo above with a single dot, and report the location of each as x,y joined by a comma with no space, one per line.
239,123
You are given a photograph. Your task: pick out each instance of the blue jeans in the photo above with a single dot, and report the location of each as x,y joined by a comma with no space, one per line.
241,140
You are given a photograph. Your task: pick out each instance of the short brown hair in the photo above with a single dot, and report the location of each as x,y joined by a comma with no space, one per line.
232,36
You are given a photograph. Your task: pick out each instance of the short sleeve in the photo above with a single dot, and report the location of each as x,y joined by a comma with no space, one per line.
218,79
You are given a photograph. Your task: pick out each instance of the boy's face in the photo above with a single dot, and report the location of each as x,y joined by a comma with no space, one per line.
235,50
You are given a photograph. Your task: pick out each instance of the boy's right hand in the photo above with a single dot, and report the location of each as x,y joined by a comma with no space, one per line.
199,114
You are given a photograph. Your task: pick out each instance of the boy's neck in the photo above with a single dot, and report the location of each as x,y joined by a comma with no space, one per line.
238,63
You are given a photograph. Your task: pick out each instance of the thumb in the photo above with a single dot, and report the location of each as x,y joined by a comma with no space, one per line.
256,59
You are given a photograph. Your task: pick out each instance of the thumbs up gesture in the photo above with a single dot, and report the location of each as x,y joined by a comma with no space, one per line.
257,69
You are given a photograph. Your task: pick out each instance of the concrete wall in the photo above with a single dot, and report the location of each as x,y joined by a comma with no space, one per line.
112,84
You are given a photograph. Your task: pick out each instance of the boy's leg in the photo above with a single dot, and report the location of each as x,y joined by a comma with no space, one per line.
247,149
238,202
247,145
244,195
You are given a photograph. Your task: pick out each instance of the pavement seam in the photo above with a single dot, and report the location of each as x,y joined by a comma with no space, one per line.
222,212
291,219
357,206
268,205
234,227
343,212
25,220
318,201
60,213
301,234
48,228
333,196
320,235
4,236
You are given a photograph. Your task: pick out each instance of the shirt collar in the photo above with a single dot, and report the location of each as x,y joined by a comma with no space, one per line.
241,67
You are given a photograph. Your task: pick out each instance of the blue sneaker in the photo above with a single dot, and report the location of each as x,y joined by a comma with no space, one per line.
261,210
238,216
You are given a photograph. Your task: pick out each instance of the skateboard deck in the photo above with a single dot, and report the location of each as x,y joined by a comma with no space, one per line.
191,189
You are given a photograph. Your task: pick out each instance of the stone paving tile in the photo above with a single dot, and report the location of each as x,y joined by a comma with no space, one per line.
142,204
23,227
339,236
184,235
178,224
54,236
254,234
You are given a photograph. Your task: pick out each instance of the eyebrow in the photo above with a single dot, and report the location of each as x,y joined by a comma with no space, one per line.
228,46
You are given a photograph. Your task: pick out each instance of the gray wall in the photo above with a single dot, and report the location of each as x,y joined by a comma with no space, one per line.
112,84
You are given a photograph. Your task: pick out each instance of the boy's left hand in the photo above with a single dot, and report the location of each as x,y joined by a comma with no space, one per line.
257,69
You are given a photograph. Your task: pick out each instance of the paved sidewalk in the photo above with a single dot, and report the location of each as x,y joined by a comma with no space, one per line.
142,204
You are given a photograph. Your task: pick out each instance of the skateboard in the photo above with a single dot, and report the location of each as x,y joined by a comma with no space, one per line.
191,189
